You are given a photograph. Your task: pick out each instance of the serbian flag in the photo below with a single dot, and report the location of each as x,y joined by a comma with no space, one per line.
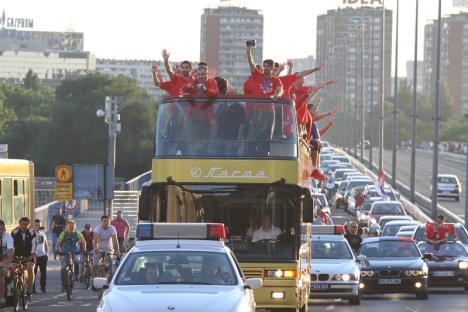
380,184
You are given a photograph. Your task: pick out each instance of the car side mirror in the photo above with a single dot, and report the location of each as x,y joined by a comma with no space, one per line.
100,282
253,283
362,259
427,256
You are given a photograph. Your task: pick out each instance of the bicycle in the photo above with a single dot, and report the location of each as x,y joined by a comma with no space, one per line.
87,275
19,284
105,270
69,275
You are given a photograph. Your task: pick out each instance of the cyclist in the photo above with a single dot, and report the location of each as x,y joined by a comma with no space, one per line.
70,240
105,240
6,255
23,238
88,236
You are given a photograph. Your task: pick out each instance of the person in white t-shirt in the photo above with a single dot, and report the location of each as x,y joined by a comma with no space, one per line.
41,249
266,230
6,256
105,240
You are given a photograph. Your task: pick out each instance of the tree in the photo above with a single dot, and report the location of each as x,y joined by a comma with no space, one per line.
31,81
6,114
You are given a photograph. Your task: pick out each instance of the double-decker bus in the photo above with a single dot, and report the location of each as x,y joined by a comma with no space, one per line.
16,191
242,162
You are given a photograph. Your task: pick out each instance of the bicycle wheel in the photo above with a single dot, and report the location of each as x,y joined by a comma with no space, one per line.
17,289
87,276
69,286
24,299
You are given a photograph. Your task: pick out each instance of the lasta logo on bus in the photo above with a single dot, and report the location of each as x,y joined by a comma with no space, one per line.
362,2
217,172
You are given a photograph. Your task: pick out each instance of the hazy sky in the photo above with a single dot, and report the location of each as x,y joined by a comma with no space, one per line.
140,29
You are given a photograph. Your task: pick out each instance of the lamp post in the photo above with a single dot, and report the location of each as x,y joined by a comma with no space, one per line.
113,106
435,156
371,102
466,182
382,88
395,101
413,112
362,86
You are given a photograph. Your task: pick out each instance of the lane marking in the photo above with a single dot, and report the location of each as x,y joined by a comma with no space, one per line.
330,307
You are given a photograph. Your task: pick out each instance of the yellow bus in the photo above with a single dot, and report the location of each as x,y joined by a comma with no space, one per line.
16,191
241,162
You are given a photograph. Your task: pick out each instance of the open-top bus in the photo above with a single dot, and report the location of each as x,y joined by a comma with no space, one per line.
241,162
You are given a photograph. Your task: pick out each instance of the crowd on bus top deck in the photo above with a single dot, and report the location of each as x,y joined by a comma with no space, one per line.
265,81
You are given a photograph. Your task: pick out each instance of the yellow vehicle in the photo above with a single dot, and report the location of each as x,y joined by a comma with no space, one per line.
16,191
239,161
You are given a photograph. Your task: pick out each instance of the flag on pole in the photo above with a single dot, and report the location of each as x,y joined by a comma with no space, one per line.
380,184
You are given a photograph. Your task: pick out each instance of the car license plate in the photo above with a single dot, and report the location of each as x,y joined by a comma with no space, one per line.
443,273
390,281
320,286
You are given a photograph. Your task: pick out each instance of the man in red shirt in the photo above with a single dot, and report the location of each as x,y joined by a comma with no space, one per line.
261,116
183,82
436,233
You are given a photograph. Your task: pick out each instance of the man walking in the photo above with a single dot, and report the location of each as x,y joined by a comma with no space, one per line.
122,228
41,249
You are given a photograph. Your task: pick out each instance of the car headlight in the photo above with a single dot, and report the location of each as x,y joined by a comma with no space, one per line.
367,273
344,277
415,273
463,265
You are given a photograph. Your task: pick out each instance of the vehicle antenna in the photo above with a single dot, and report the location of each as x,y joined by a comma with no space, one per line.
178,243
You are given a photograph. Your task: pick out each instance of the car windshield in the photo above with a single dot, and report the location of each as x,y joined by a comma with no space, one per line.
373,193
354,183
176,267
420,234
444,250
390,249
391,229
446,180
330,250
218,127
387,209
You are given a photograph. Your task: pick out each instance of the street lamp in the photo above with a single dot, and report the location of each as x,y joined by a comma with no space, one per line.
395,101
114,105
382,88
413,111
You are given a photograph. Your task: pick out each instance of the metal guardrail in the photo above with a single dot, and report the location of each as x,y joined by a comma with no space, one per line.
421,201
136,183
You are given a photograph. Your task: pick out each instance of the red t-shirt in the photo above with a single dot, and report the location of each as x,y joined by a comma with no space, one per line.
287,82
441,231
170,87
264,86
211,88
249,86
183,85
201,112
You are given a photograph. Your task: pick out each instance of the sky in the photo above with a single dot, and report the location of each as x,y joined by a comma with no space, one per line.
140,29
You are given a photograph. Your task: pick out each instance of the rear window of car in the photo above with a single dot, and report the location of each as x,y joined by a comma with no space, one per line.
447,180
388,209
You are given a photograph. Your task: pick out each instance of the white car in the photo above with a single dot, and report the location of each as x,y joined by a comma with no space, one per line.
334,270
196,272
449,186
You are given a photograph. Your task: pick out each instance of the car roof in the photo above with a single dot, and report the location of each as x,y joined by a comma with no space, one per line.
178,245
387,202
385,238
330,237
402,221
396,217
447,175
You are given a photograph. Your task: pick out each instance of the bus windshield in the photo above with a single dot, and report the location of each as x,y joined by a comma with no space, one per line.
262,221
232,128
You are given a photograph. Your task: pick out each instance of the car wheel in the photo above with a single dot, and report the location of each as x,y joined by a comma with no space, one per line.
421,295
355,300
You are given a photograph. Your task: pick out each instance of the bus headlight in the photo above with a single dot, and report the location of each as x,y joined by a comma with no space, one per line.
280,273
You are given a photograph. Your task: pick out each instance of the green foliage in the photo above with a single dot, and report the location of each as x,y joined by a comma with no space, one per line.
60,126
31,81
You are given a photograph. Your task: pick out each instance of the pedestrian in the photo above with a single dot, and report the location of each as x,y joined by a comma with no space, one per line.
122,228
353,237
58,225
6,256
41,249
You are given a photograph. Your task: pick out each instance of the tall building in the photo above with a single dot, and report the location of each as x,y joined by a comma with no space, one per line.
139,70
224,31
341,34
420,73
301,64
454,59
53,56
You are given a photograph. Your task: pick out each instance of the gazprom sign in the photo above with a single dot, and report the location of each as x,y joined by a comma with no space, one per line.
362,2
15,22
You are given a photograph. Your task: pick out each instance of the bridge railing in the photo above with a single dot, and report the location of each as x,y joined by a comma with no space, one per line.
136,183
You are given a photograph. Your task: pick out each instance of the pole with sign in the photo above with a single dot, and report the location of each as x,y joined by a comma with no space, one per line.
63,182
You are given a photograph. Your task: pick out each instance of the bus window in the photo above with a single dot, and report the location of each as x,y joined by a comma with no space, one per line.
15,187
7,193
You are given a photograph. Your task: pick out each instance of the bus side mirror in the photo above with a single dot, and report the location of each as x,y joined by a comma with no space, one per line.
144,204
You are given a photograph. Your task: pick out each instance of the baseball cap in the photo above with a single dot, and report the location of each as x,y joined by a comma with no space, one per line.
87,226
